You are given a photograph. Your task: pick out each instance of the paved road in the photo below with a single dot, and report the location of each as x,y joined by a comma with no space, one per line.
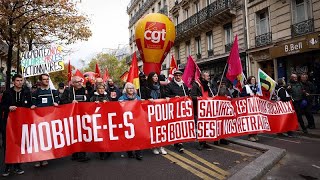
302,160
217,163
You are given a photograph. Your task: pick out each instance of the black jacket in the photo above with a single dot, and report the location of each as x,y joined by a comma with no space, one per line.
12,98
146,92
282,94
173,89
99,97
81,95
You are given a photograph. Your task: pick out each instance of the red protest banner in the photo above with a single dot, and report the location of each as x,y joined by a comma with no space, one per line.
55,132
221,117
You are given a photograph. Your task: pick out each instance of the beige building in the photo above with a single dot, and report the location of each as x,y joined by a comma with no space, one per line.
205,30
284,37
137,9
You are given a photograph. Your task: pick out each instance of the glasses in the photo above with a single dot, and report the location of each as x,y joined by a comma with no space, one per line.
130,88
77,81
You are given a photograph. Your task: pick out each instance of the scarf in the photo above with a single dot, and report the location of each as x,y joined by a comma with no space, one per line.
179,83
155,91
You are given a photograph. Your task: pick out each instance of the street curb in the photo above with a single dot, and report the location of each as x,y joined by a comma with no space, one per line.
260,166
311,135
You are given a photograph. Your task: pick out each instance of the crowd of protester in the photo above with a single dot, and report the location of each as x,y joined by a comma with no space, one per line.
153,86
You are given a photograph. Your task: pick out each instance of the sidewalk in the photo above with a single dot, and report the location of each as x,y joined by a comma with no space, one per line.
312,132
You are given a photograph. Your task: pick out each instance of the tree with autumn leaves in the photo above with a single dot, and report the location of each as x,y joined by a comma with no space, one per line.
27,23
115,67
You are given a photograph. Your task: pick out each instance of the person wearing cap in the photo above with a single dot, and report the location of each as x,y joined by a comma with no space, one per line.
177,88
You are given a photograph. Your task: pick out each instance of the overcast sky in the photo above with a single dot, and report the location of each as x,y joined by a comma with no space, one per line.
109,26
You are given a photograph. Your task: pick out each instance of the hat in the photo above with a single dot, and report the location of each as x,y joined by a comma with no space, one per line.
177,72
61,85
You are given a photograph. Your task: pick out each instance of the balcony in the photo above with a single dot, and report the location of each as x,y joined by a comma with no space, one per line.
210,52
131,39
215,13
164,10
263,39
144,8
302,28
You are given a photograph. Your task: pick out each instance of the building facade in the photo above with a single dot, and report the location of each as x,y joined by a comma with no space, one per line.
205,29
137,9
284,37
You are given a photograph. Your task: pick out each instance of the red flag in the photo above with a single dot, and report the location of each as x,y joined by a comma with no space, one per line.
97,71
133,75
172,69
78,73
106,75
124,76
234,61
191,73
69,72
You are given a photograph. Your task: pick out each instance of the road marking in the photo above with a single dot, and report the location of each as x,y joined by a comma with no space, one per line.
207,163
297,142
198,166
315,166
232,150
187,167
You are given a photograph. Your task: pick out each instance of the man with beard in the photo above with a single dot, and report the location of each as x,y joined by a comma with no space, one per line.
76,93
177,88
202,89
113,91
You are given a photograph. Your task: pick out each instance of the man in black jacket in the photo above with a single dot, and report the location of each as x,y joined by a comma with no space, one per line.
76,93
201,89
308,88
177,88
12,99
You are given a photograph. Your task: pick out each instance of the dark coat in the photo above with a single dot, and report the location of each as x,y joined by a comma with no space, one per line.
99,97
173,89
9,99
68,96
282,95
146,92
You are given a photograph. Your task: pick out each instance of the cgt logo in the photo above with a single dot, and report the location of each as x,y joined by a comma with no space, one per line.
154,35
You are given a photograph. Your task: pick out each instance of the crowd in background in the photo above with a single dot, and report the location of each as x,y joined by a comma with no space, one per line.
152,86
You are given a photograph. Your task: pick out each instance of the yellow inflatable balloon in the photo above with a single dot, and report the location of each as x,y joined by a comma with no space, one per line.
155,34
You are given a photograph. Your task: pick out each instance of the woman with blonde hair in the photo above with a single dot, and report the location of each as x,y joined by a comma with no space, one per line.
130,94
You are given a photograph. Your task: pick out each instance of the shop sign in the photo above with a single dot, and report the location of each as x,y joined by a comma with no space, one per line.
295,46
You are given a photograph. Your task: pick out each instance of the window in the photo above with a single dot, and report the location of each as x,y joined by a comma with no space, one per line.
301,10
228,33
198,44
262,22
178,53
209,40
186,13
164,2
196,7
208,2
188,49
152,10
177,20
159,5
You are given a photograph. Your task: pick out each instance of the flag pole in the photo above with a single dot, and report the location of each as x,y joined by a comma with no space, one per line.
225,67
51,89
